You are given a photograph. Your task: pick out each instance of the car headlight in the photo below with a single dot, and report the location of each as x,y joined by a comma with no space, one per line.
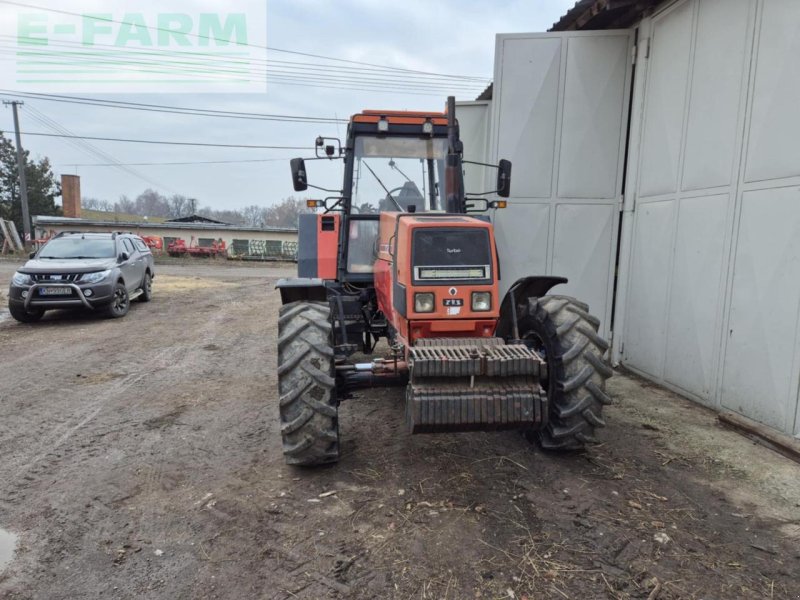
481,301
423,302
95,277
21,279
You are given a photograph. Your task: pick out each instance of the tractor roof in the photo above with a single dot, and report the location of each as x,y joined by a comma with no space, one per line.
404,117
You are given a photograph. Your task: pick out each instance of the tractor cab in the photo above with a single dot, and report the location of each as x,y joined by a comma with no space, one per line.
393,162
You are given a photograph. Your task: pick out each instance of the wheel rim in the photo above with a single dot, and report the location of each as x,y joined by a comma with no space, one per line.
120,300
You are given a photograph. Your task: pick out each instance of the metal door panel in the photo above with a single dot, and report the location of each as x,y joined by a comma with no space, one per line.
583,251
647,304
528,105
665,99
712,138
473,121
560,114
594,104
696,294
774,150
757,379
522,247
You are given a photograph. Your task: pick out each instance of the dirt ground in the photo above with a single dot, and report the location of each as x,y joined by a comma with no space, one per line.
140,458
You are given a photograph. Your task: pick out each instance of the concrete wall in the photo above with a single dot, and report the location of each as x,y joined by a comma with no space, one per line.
256,237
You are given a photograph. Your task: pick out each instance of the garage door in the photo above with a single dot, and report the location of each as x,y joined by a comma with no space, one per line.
713,273
559,114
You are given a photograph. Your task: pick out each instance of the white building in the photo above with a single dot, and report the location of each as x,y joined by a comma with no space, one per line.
656,163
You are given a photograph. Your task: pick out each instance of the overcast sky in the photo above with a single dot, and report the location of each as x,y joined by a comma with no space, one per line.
445,36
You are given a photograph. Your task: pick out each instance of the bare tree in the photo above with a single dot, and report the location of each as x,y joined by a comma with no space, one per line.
253,215
179,206
96,204
151,203
125,205
285,213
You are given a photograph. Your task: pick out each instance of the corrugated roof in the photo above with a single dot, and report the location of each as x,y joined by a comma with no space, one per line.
105,215
487,93
196,219
604,14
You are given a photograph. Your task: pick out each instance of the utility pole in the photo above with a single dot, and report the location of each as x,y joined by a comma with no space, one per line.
23,184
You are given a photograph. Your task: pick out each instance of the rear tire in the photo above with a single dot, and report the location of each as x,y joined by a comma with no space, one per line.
147,288
561,328
309,412
24,316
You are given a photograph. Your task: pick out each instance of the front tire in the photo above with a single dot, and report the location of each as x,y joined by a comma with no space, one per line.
561,328
120,303
309,414
24,316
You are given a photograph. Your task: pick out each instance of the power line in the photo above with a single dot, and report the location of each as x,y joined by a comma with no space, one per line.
168,109
169,143
209,38
206,58
205,71
164,164
91,149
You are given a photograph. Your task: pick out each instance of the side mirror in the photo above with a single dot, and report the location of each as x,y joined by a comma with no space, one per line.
123,256
504,178
299,174
32,255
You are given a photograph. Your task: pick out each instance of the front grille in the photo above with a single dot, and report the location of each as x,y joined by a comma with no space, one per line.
454,273
451,254
56,277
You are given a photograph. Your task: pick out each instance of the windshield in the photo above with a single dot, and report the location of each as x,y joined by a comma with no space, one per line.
395,173
78,248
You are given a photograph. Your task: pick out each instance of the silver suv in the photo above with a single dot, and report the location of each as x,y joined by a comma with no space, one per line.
98,271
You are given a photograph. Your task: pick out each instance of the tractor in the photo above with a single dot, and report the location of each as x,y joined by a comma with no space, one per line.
400,266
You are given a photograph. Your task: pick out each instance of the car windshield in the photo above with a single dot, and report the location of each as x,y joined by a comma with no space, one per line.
75,247
396,173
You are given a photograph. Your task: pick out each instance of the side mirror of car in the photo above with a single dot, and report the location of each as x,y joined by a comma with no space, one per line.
32,255
123,256
504,178
299,180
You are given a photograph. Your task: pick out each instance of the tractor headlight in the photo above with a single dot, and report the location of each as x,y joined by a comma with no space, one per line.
424,302
481,301
95,277
21,279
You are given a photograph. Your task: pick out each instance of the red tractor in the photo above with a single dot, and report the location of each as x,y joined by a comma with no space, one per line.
395,255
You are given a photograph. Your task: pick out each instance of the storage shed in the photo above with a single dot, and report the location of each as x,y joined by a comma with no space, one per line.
657,165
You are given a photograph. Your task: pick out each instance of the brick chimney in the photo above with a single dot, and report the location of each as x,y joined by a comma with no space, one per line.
71,195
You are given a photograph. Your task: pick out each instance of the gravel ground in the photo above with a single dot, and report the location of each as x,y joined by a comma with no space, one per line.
141,459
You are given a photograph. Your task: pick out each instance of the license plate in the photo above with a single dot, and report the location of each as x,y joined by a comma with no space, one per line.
55,291
453,302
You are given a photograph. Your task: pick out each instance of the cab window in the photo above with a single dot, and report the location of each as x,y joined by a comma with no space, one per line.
396,173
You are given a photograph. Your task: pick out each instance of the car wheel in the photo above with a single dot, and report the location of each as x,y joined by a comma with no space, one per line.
24,316
120,304
147,288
